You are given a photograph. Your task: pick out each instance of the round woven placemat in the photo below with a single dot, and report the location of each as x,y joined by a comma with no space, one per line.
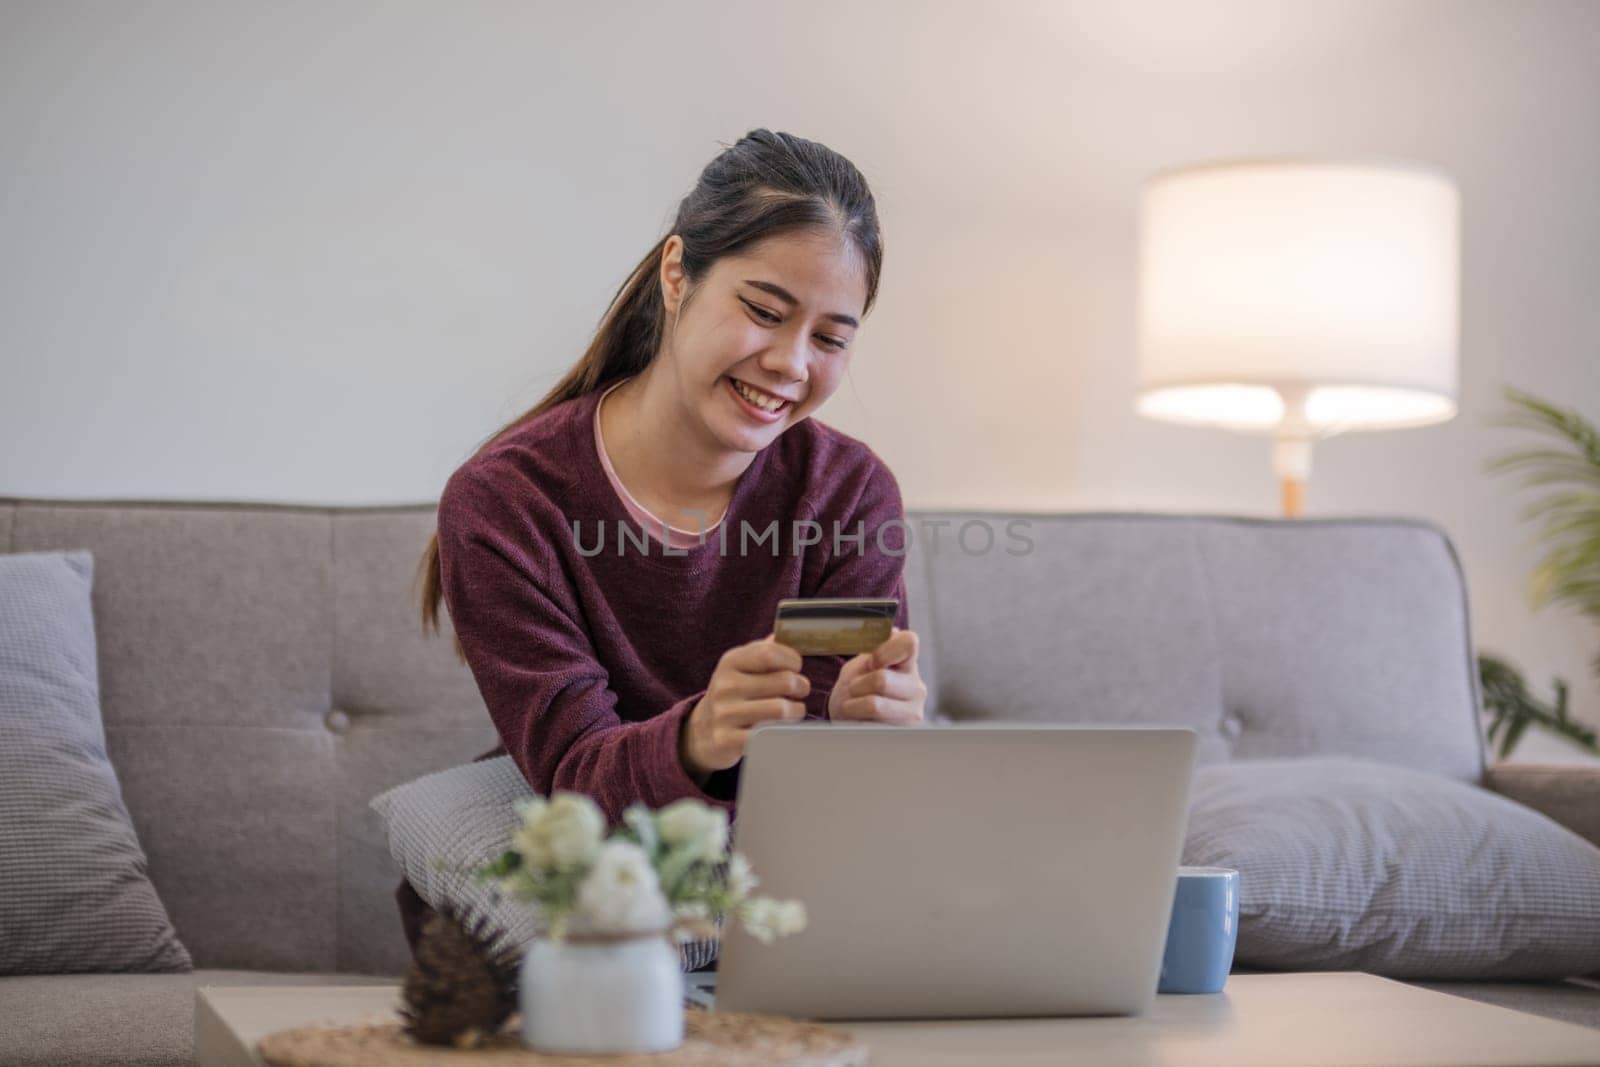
710,1039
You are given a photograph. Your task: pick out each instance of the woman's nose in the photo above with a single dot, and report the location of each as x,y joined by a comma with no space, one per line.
788,360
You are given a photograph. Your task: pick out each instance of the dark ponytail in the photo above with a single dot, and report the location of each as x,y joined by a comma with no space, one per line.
766,185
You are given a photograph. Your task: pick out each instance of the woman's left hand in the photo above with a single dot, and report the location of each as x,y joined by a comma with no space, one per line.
882,685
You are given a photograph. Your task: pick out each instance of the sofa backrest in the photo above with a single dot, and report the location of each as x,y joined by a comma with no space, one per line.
263,674
1268,637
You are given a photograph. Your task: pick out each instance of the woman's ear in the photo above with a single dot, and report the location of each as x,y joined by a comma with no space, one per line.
673,280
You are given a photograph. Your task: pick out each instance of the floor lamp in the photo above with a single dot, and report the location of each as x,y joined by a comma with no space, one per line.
1298,299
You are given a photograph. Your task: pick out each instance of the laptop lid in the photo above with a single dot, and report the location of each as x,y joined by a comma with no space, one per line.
959,869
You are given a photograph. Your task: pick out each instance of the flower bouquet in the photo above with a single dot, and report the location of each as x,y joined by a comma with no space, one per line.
606,976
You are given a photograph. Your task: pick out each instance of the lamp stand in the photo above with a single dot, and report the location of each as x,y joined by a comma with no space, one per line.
1291,462
1293,497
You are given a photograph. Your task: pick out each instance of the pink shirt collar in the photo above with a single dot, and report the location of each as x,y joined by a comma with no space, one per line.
677,536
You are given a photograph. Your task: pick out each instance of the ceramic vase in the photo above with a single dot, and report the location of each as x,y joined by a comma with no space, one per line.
596,994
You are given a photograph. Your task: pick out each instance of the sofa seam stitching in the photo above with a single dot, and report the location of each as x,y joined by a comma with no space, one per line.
933,620
338,817
1198,554
1475,712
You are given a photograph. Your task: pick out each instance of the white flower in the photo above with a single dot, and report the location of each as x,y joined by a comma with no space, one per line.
694,922
791,918
621,894
741,879
697,828
562,833
758,919
767,919
637,818
694,909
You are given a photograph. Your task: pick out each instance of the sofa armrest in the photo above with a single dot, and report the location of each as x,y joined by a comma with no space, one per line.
1569,793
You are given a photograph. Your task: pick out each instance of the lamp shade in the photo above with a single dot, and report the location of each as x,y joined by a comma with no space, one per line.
1299,297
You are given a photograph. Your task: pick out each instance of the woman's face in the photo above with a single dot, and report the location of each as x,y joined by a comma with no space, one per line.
779,318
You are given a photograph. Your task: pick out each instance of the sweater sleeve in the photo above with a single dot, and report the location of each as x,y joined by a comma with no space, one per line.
873,566
536,666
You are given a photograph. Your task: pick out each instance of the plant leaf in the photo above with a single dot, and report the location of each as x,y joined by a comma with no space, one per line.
1513,735
1545,467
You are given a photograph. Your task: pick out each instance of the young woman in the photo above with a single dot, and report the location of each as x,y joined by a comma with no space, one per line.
611,559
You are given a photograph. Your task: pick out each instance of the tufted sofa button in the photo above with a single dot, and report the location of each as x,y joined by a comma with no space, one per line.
336,721
1232,727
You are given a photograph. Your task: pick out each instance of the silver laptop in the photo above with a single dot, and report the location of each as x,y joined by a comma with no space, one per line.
958,870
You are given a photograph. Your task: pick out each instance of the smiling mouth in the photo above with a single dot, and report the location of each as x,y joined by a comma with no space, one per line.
766,403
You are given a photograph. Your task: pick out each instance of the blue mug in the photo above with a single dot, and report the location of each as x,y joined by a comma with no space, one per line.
1203,931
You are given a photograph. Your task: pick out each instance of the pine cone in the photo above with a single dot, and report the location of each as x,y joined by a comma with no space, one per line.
459,989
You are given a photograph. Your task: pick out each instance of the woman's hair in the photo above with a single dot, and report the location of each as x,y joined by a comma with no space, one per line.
766,185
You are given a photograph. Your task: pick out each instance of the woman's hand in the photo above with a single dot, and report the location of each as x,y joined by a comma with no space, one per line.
883,685
753,683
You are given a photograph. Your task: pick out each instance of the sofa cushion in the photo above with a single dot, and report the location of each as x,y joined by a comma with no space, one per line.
125,1020
1347,864
1571,1000
443,825
1203,621
74,895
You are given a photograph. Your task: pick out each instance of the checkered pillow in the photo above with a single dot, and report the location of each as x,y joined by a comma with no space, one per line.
74,895
443,825
1346,864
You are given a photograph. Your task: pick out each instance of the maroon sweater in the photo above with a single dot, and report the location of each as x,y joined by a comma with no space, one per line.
590,647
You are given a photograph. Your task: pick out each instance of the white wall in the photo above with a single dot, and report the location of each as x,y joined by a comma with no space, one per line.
315,252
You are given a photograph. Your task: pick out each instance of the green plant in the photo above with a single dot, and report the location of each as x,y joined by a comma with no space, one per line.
1513,710
1568,515
659,870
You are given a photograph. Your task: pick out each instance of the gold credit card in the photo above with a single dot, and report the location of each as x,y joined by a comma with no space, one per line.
834,626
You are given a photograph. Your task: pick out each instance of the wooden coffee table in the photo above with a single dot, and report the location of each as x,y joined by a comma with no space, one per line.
1284,1020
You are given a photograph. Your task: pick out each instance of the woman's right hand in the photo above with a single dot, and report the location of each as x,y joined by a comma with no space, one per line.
754,683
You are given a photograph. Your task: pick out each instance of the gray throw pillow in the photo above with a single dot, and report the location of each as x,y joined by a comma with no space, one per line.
1347,864
443,825
74,895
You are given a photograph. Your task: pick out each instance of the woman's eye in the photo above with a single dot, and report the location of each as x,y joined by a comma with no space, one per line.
766,316
769,317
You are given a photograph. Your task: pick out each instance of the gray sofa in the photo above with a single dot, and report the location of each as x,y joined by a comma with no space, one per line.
263,675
